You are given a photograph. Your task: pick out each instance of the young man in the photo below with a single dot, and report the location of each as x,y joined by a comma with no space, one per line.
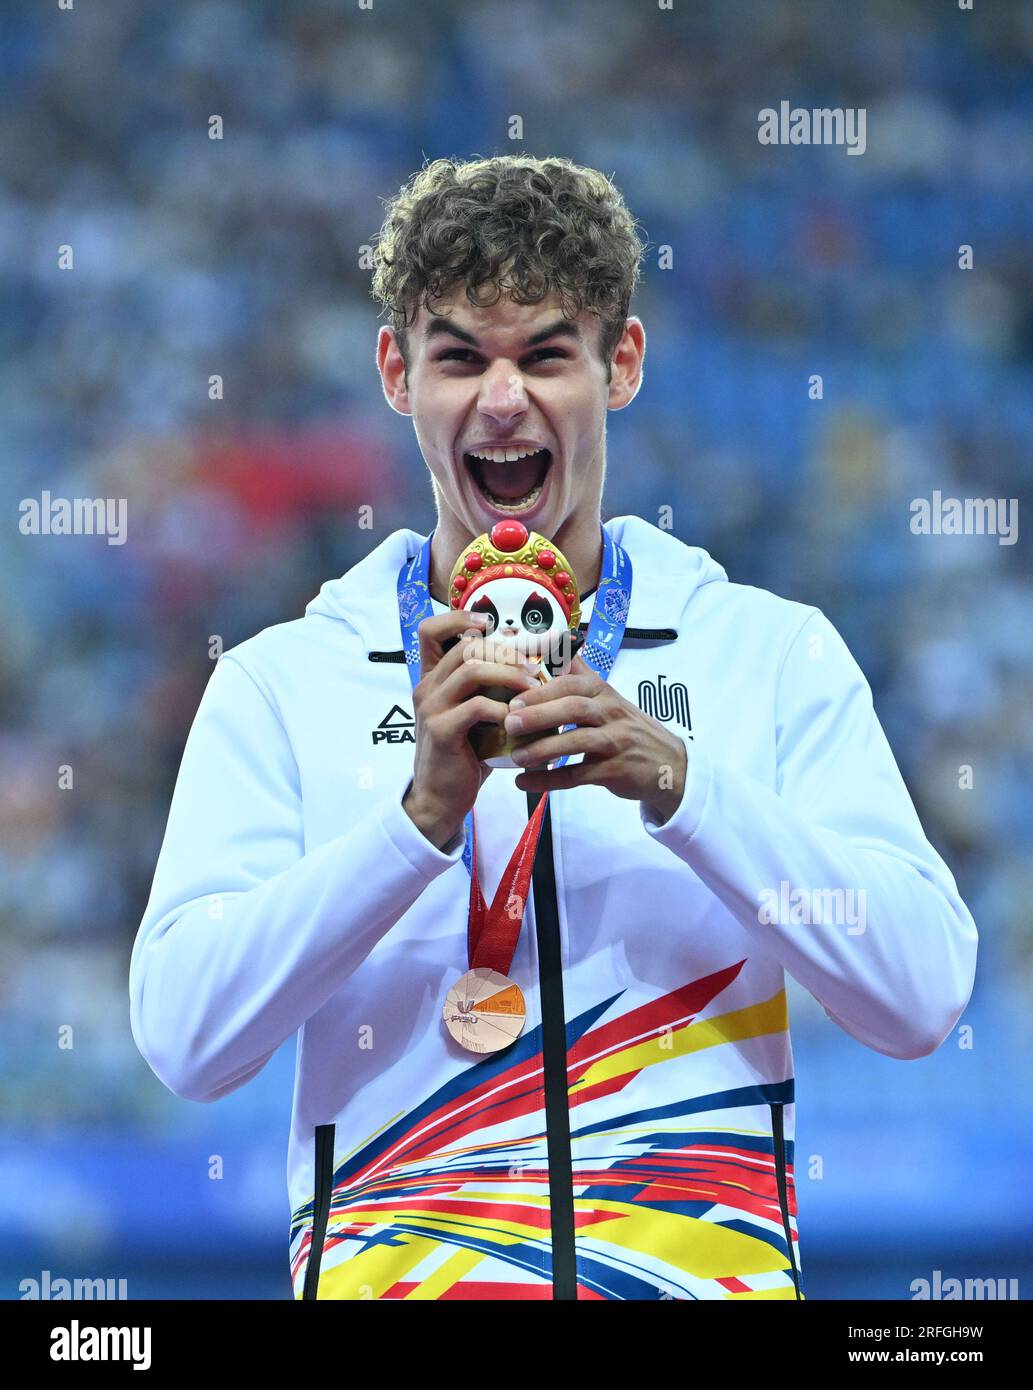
736,813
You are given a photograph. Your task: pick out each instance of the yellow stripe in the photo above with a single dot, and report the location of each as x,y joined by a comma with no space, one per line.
450,1273
787,1292
771,1016
371,1273
697,1247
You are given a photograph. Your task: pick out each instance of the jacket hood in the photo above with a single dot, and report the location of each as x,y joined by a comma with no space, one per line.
666,574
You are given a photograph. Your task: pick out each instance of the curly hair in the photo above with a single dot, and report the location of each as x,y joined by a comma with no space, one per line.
510,224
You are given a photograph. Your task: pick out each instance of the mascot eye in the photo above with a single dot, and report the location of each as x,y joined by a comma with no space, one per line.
485,605
537,614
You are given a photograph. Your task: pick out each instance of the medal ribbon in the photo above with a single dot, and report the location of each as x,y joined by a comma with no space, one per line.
492,934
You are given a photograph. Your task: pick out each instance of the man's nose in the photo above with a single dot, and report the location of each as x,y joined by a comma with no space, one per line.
502,395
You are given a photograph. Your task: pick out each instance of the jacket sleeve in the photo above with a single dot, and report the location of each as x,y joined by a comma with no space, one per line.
245,936
890,957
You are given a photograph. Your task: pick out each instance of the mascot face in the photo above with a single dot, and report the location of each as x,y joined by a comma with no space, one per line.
518,608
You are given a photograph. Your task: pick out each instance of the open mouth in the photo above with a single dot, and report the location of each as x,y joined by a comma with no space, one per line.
511,480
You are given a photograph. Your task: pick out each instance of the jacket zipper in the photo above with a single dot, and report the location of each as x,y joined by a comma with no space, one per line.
652,634
645,634
778,1133
554,1061
324,1140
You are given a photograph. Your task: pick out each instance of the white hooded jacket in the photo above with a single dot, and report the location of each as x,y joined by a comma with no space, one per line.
636,1141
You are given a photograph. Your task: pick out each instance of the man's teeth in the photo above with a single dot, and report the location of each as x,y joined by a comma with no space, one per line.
504,462
514,504
503,455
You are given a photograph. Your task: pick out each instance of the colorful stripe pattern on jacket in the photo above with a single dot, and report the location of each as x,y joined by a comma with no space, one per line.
676,1200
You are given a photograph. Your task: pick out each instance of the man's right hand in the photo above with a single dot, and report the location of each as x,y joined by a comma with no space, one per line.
447,774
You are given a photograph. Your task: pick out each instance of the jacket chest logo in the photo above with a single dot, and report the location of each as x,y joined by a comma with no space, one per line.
665,702
395,727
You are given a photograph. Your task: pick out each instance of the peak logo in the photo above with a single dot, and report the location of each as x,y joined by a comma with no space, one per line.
395,727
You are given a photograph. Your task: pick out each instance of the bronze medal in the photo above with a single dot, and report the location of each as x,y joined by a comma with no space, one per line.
484,1011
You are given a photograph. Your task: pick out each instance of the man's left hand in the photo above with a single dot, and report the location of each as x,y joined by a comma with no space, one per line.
626,751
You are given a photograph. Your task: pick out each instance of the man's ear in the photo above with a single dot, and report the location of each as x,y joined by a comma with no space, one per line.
626,366
391,366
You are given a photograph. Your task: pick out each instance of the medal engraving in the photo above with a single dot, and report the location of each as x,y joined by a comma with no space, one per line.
484,1011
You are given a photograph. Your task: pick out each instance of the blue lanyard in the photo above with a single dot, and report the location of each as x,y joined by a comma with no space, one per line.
605,627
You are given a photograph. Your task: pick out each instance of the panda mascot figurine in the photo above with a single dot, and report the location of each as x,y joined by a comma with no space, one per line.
525,586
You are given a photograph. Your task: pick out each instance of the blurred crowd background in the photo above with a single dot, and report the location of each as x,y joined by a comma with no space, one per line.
242,258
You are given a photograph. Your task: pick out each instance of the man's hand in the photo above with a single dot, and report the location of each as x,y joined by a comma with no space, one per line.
626,751
447,774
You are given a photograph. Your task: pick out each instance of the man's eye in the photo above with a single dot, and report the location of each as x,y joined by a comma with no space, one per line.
465,355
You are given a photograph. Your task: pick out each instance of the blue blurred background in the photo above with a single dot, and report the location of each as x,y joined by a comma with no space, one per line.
242,257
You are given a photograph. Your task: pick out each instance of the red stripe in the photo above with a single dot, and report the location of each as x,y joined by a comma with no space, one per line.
734,1285
658,1014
